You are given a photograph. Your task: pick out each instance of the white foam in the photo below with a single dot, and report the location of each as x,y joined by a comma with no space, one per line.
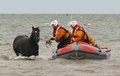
24,58
89,24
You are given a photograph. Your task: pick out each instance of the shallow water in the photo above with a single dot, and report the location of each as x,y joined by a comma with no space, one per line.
104,29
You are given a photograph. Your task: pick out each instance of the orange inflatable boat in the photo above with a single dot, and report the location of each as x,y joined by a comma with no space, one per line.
80,50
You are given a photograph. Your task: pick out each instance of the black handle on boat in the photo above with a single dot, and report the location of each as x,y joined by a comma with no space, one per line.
77,42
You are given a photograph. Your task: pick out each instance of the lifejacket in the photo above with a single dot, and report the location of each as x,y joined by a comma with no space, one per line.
56,30
78,27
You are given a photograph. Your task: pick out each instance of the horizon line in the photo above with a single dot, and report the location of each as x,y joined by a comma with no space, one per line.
60,13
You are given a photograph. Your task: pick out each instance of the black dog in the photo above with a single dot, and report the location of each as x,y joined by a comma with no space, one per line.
27,46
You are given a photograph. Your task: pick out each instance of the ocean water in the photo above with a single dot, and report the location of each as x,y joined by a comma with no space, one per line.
103,28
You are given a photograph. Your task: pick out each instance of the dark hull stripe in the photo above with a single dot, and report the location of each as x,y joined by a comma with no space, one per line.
82,52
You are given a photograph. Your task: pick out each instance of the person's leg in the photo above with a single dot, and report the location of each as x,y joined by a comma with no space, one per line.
64,43
68,40
60,45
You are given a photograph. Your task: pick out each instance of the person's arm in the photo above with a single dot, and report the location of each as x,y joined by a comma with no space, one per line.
47,41
79,35
71,35
60,33
91,40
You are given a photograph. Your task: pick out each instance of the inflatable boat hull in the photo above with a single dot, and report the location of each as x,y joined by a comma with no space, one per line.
80,50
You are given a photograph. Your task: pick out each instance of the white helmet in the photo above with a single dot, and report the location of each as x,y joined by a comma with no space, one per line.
73,23
54,22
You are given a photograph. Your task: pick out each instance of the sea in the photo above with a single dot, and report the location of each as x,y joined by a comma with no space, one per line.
103,28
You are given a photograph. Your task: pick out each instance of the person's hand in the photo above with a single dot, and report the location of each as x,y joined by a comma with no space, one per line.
48,40
96,45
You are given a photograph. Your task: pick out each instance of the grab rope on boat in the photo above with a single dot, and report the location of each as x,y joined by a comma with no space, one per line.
48,45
